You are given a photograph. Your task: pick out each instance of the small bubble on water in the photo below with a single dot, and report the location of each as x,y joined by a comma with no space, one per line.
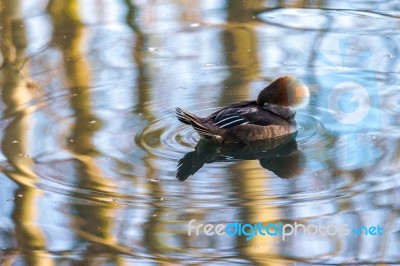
154,180
14,141
93,122
210,65
390,56
152,49
194,25
20,195
161,199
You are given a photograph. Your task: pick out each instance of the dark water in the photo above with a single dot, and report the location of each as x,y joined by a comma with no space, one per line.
90,145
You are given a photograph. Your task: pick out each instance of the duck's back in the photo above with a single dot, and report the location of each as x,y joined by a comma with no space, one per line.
247,121
249,113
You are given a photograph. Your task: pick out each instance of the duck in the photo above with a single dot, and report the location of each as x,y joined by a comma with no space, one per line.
271,115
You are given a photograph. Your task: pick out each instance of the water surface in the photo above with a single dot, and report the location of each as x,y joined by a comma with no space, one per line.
90,145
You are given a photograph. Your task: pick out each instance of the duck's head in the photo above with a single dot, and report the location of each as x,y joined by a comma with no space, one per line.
285,91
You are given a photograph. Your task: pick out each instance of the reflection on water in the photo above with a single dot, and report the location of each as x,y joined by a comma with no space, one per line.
90,144
279,156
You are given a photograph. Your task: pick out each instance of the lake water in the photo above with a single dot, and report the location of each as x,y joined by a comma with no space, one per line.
90,145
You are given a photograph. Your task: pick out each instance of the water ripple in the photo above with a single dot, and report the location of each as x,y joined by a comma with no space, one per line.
334,20
167,138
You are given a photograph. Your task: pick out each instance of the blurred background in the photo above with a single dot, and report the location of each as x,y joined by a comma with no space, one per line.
90,144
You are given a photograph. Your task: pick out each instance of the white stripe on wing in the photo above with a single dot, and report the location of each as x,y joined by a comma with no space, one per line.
234,122
228,118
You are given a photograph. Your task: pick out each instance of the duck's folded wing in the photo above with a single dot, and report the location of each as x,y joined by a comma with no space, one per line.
240,115
235,116
231,121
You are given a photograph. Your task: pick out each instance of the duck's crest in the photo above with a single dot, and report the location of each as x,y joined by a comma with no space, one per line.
285,91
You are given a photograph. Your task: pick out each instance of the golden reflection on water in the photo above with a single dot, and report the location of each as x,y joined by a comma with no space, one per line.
92,222
16,92
241,52
112,168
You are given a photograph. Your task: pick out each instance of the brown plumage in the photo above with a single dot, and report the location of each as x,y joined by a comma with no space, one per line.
272,115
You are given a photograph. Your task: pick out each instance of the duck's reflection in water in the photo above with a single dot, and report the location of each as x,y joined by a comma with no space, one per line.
279,156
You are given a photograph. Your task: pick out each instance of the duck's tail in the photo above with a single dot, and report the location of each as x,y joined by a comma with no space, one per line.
194,121
186,117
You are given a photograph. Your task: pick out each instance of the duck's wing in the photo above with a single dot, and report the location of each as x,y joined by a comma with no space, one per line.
249,113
